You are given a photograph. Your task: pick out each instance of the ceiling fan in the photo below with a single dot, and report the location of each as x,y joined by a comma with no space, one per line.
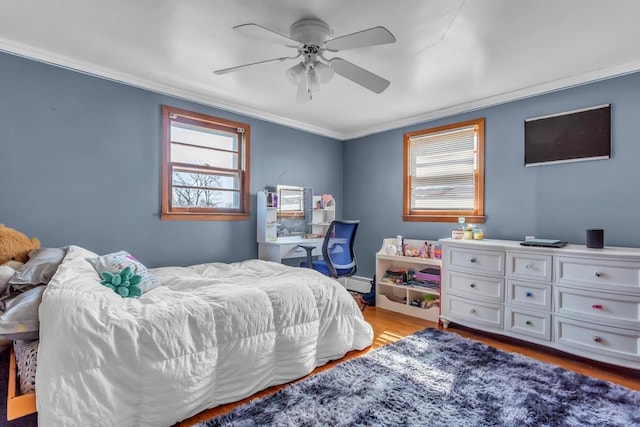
312,37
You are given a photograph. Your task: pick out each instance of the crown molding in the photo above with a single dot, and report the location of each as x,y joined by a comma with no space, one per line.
61,61
88,68
528,92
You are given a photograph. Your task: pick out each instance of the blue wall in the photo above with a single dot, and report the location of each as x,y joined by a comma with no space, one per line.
80,164
552,201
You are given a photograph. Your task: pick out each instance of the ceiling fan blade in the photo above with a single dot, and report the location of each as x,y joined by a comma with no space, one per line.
371,37
259,31
240,67
358,75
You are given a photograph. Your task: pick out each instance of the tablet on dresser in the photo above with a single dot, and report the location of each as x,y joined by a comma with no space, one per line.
547,243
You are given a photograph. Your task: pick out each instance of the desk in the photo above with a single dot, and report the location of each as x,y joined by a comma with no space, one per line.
287,247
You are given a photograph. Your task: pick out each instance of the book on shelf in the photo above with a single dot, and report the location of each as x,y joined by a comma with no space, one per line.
426,276
429,284
387,281
397,275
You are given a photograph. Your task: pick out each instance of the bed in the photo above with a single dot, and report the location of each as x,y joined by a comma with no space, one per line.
211,334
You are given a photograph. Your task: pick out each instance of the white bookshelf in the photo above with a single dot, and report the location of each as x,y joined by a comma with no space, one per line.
399,297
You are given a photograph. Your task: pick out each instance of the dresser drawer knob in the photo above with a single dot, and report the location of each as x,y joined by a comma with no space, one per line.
473,285
598,274
528,294
528,266
472,311
529,322
597,339
472,260
596,307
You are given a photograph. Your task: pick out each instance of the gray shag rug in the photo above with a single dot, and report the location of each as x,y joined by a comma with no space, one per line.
435,378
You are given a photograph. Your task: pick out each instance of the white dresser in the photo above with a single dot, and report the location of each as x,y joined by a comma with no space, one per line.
575,299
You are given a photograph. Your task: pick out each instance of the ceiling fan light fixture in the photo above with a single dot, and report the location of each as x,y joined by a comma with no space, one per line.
313,80
303,94
296,73
308,83
324,72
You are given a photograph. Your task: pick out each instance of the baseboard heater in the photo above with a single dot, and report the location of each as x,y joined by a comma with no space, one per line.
356,284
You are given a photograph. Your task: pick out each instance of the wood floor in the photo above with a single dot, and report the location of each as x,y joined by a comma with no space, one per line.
389,327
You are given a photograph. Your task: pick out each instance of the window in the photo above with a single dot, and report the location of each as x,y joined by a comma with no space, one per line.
205,167
444,173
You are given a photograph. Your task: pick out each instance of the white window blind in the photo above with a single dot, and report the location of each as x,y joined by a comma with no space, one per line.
443,169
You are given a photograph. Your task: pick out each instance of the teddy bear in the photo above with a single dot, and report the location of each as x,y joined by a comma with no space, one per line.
15,247
14,252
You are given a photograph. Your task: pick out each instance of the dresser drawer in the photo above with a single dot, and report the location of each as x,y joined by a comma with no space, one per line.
591,338
529,266
536,296
531,323
474,313
615,309
476,261
483,288
597,273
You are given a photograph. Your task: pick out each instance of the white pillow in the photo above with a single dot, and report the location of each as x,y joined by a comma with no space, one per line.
117,261
6,273
40,268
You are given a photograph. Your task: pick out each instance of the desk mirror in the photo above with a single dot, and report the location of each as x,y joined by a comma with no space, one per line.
294,204
290,201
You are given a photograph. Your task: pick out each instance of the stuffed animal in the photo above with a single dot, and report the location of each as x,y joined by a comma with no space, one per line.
123,282
15,247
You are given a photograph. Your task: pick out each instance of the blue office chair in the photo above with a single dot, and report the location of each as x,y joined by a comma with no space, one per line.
339,260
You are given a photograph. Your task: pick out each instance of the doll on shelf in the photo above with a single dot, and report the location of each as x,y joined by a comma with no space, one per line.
426,250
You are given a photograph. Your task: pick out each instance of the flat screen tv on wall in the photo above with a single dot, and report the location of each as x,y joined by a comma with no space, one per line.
571,136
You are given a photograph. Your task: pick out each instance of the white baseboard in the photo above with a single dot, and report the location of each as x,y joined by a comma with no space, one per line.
357,284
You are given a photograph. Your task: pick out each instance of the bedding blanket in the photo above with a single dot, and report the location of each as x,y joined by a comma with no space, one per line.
211,334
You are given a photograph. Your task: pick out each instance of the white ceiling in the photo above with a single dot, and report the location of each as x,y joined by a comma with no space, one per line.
450,55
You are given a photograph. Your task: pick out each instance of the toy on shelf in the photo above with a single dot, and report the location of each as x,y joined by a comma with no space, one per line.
395,276
429,301
418,249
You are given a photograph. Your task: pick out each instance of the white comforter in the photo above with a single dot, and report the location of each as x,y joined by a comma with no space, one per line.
212,334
